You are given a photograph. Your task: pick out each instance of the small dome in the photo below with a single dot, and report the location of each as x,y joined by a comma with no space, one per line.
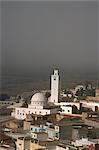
38,97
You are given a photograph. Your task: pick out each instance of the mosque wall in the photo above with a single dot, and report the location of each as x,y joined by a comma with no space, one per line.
20,113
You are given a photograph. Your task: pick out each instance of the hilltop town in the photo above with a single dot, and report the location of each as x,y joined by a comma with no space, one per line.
54,119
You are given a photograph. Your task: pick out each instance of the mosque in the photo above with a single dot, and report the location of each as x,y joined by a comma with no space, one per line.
39,103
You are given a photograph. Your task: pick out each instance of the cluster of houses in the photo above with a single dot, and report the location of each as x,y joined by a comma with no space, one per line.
61,121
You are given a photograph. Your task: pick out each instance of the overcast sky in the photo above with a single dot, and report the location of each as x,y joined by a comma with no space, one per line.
38,36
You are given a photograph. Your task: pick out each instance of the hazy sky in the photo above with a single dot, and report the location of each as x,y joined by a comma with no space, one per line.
38,36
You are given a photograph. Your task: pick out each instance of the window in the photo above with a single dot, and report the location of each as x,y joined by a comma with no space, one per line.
57,135
36,141
54,78
17,111
57,128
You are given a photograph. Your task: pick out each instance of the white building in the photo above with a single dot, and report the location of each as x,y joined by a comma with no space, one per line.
54,87
23,143
93,105
38,106
83,142
66,109
77,104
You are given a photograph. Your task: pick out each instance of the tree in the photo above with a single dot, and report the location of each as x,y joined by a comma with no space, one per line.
47,94
75,109
25,104
80,92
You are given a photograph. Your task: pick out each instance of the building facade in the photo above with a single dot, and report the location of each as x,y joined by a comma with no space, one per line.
55,87
38,106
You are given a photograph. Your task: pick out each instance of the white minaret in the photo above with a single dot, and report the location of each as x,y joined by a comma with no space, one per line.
54,86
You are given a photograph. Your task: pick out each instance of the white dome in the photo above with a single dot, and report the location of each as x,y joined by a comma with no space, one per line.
38,97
